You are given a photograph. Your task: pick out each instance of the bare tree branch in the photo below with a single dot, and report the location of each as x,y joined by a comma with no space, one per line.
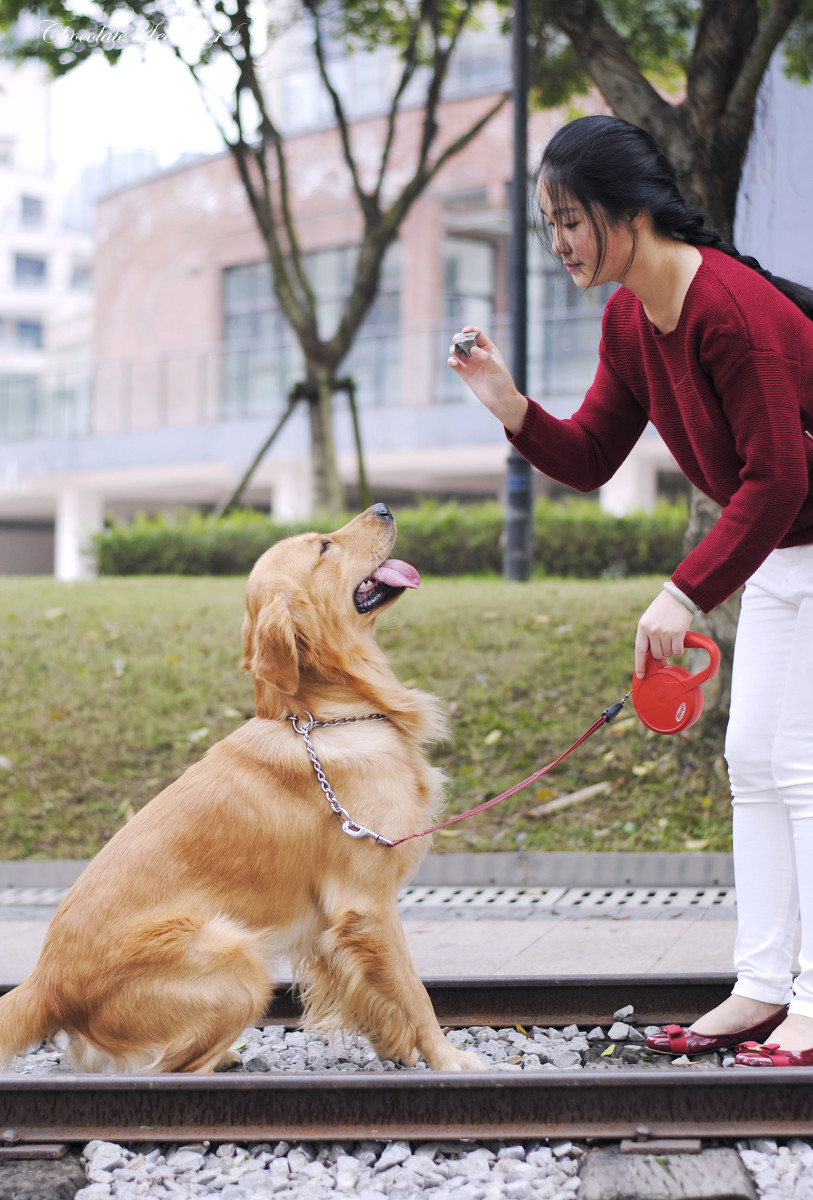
410,60
375,246
774,26
342,123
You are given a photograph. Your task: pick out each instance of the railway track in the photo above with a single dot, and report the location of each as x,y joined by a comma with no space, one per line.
317,1106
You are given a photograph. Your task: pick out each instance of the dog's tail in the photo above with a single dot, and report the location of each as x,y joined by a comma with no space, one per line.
26,1017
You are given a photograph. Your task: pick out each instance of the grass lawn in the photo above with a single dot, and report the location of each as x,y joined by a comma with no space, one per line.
111,688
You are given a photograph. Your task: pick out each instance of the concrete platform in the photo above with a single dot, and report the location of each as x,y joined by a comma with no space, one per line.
477,948
479,942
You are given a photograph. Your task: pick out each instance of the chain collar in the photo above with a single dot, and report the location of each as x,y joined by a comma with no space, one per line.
352,828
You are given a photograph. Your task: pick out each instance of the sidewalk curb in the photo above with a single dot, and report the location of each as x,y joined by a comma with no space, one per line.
493,869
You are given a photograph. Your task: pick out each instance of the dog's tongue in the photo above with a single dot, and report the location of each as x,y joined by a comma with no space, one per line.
398,574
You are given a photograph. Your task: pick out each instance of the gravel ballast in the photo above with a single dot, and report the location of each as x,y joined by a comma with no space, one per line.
459,1170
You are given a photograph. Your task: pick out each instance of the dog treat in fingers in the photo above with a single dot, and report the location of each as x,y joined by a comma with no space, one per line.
464,343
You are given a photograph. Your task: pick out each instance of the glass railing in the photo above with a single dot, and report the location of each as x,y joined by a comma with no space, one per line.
392,367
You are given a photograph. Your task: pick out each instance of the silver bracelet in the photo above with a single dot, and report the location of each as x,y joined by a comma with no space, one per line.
675,591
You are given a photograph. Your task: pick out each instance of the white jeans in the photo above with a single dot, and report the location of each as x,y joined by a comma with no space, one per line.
769,749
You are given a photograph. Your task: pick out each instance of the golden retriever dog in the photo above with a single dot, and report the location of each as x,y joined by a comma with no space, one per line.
167,945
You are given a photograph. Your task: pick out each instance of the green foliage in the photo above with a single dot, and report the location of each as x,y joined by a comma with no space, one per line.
798,46
658,35
187,543
572,538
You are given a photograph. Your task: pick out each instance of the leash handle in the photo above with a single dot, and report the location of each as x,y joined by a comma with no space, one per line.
606,717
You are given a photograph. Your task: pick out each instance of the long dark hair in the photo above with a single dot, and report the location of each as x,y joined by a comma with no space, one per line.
614,170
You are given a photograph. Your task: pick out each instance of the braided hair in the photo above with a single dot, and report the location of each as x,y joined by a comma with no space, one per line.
614,170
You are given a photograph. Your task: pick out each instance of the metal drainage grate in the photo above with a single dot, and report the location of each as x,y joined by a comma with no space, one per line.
29,897
588,899
480,899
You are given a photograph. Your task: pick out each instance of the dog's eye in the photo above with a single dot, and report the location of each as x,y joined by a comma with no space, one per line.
324,546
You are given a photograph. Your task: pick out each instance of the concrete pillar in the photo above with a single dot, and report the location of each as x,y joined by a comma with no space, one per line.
633,487
79,515
291,490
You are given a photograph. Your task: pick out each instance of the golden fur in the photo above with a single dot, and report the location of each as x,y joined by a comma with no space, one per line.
165,948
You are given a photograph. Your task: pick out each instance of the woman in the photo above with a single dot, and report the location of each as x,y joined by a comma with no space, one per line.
718,354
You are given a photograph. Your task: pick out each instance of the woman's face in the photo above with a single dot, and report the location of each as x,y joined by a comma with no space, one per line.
573,238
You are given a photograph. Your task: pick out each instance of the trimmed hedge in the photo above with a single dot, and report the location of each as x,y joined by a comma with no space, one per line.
571,538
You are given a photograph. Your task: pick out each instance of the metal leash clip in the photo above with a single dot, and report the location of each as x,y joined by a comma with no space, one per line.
354,829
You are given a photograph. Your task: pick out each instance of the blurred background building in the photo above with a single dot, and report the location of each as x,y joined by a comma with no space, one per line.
144,359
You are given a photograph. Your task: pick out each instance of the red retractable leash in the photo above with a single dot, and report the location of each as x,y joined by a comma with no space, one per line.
668,700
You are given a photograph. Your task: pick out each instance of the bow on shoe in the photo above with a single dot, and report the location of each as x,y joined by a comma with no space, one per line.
753,1054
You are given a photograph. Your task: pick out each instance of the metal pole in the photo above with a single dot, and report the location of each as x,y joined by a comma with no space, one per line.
518,530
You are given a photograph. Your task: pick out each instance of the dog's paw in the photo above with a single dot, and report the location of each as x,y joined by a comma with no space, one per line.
228,1060
467,1061
458,1060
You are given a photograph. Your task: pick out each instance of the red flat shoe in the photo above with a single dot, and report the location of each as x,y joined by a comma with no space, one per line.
752,1054
674,1039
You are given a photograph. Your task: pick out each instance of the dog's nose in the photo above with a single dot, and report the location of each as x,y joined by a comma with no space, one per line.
380,510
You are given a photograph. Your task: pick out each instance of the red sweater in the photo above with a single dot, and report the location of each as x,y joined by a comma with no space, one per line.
730,390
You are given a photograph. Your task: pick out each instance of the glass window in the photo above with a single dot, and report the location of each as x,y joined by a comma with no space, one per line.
81,276
29,271
469,274
32,211
564,328
262,359
19,396
29,335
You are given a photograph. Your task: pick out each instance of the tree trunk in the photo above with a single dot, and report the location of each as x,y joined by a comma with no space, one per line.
328,491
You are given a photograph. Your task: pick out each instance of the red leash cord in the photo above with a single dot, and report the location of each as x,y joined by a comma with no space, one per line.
355,829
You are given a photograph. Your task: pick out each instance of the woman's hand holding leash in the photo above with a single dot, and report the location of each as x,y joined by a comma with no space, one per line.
661,630
480,365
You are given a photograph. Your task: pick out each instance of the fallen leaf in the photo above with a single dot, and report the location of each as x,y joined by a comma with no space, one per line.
606,1053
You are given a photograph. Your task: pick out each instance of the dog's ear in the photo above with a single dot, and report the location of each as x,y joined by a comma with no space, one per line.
270,649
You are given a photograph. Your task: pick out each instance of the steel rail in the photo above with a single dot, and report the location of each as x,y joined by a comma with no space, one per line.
605,1105
413,1105
557,1001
